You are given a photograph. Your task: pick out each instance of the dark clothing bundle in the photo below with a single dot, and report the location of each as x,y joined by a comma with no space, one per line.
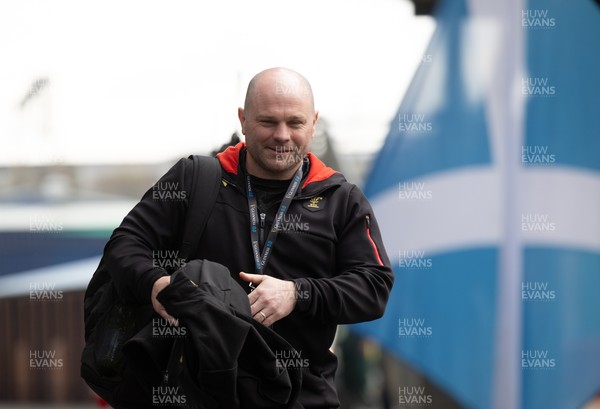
217,356
329,245
222,358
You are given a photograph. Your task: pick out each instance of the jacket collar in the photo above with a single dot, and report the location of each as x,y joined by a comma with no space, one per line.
317,172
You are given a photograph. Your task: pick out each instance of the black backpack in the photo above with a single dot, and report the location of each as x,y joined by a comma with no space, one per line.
110,322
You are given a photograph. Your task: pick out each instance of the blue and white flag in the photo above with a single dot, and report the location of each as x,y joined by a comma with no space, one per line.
487,191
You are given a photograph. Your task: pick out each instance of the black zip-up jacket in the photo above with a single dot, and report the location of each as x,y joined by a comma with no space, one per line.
329,245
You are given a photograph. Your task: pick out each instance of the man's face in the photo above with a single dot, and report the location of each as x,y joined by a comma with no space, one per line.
279,124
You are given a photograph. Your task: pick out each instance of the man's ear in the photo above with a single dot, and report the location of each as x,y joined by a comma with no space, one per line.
242,118
315,122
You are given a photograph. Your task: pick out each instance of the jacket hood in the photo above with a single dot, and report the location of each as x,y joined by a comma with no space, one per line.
318,171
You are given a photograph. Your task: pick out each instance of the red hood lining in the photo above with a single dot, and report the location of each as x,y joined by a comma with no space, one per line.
318,171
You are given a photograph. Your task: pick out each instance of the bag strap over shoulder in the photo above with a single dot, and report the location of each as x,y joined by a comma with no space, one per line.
206,180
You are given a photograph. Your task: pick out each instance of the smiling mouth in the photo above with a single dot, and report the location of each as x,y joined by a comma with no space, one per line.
282,149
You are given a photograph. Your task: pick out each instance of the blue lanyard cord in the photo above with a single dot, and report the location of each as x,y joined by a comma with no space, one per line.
260,260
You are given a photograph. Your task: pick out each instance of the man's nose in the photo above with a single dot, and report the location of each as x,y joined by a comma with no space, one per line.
282,132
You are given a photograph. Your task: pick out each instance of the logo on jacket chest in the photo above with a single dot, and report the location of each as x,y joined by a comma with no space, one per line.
314,204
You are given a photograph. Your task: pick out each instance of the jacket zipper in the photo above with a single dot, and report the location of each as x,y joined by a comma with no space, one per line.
261,238
261,234
372,241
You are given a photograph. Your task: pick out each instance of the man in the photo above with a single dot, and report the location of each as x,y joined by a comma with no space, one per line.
304,241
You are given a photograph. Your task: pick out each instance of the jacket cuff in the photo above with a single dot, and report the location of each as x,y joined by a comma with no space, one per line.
145,284
303,295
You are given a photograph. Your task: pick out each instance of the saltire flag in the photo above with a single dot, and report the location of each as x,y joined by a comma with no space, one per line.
487,191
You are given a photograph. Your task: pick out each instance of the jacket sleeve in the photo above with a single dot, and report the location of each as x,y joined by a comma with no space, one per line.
359,290
139,250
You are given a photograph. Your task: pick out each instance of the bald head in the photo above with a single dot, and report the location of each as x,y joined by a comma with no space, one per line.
278,121
280,81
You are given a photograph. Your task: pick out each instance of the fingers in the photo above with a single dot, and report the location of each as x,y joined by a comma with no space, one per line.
273,300
260,316
255,280
266,311
252,278
260,306
158,286
165,315
256,303
265,318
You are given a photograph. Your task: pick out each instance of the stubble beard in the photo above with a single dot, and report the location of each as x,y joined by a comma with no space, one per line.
280,164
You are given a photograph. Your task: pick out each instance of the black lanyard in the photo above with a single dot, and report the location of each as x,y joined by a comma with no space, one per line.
260,260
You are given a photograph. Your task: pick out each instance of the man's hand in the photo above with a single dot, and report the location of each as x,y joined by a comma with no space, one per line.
272,300
158,286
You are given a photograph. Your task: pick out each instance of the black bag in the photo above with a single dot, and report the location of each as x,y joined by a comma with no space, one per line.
110,322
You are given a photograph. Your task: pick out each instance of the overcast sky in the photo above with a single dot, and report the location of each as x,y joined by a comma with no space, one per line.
147,81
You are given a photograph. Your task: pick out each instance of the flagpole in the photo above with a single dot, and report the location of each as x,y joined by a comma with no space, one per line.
508,126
